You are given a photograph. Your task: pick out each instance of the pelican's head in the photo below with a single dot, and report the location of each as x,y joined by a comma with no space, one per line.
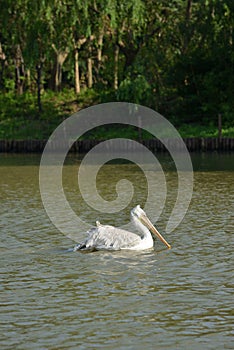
138,214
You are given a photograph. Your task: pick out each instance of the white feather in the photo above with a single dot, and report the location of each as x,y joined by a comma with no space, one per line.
112,238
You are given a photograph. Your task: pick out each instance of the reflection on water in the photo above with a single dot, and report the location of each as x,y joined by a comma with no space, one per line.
165,299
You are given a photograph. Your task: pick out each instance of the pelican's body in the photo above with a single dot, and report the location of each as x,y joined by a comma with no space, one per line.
112,238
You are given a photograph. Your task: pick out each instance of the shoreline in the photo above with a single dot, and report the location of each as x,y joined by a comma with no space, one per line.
193,144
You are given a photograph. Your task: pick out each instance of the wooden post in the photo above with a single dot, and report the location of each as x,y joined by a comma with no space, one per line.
139,128
219,126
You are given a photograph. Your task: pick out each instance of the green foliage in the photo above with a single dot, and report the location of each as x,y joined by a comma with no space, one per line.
19,118
176,57
135,90
188,130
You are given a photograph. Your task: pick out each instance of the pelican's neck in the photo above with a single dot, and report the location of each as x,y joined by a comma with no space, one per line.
145,232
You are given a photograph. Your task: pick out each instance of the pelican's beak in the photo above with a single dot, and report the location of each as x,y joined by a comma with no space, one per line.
153,229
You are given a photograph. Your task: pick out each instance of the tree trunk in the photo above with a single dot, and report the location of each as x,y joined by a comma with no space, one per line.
19,71
38,80
116,67
187,33
77,74
28,79
77,44
99,50
57,71
2,67
90,75
89,66
189,10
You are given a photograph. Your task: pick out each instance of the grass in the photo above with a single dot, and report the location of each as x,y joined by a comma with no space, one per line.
20,119
187,130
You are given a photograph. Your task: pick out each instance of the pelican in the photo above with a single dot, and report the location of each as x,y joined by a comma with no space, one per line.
112,238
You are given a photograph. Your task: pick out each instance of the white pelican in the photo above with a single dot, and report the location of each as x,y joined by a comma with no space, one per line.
112,238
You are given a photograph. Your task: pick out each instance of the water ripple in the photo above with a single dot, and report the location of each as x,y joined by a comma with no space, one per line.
168,299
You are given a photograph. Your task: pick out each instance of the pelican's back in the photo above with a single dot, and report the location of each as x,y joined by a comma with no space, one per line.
110,237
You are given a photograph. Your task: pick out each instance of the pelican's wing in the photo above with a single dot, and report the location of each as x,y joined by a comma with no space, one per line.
110,237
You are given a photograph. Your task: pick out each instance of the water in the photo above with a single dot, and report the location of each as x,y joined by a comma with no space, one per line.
52,298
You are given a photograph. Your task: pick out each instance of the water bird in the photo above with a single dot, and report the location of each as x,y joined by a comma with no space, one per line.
111,238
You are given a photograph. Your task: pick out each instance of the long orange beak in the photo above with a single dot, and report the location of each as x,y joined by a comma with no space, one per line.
153,229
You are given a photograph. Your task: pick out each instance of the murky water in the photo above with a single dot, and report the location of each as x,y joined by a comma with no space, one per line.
181,298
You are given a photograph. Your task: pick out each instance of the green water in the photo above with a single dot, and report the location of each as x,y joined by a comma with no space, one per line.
52,298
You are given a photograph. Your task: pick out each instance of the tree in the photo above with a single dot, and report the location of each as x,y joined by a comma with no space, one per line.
13,19
176,57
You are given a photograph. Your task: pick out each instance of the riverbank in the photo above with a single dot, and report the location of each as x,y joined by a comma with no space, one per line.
24,130
20,119
193,144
